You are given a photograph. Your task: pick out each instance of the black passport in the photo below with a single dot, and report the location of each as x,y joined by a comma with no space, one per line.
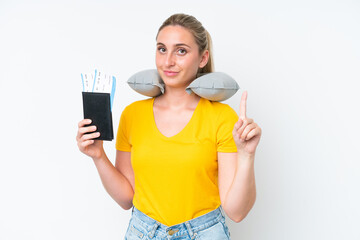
97,108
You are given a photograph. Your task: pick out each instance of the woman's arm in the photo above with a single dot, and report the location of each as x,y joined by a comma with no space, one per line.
117,181
236,170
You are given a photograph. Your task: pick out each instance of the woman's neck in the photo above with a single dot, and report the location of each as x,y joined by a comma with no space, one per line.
177,98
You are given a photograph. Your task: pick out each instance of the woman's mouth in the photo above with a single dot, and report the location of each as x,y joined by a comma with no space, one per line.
170,73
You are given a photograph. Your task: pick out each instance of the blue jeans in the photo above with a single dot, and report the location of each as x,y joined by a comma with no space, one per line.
210,226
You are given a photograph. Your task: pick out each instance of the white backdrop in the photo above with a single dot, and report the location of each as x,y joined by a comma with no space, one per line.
298,60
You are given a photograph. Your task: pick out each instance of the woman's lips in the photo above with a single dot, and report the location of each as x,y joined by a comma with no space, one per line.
170,73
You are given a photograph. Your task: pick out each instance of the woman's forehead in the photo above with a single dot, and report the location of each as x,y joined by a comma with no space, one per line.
175,35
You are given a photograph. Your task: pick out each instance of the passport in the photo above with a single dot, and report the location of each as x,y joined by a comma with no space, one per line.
97,107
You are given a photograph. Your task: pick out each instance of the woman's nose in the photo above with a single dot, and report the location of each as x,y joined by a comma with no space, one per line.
170,59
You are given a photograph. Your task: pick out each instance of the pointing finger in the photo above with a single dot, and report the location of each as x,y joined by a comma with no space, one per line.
242,114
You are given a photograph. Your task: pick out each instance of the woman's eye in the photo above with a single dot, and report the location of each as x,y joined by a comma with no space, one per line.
182,51
161,49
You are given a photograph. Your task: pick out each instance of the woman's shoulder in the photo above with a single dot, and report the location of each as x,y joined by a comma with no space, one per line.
137,107
216,107
220,113
139,104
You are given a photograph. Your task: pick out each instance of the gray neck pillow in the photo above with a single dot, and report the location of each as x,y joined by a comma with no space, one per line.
215,86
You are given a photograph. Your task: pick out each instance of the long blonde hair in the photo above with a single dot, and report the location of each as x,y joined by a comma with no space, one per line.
202,37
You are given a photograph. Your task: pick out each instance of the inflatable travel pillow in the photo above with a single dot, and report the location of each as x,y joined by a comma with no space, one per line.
215,86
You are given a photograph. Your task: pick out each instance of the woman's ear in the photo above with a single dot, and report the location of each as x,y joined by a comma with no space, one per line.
204,59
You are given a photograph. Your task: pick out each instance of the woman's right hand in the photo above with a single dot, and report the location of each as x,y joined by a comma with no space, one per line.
85,142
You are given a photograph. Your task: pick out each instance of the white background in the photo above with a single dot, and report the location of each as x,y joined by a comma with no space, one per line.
299,61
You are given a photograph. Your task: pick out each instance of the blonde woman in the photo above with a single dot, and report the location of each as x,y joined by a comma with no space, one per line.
182,161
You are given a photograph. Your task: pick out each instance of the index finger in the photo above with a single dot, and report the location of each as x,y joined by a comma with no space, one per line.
242,114
84,122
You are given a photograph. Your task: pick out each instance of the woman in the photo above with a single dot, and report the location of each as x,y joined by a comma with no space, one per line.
181,160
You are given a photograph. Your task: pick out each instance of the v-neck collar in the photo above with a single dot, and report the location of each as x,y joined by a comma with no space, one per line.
182,130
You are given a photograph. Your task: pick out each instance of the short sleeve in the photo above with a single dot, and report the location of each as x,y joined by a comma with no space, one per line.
122,138
226,121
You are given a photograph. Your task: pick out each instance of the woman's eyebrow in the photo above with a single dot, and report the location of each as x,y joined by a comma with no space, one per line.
176,45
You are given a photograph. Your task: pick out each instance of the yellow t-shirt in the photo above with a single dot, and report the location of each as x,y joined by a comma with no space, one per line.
176,178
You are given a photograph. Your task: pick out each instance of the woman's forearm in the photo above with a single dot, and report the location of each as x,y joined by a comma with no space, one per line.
242,193
115,183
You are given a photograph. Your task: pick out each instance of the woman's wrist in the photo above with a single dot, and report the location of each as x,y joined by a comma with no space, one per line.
100,156
242,155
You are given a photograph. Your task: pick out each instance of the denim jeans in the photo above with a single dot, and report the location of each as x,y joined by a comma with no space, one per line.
210,226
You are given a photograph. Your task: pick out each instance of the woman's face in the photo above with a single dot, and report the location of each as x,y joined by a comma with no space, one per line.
177,56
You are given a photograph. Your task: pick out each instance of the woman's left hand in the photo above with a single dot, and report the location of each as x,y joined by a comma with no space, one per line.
246,132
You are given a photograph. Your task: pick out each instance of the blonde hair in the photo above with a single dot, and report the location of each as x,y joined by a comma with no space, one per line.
202,37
